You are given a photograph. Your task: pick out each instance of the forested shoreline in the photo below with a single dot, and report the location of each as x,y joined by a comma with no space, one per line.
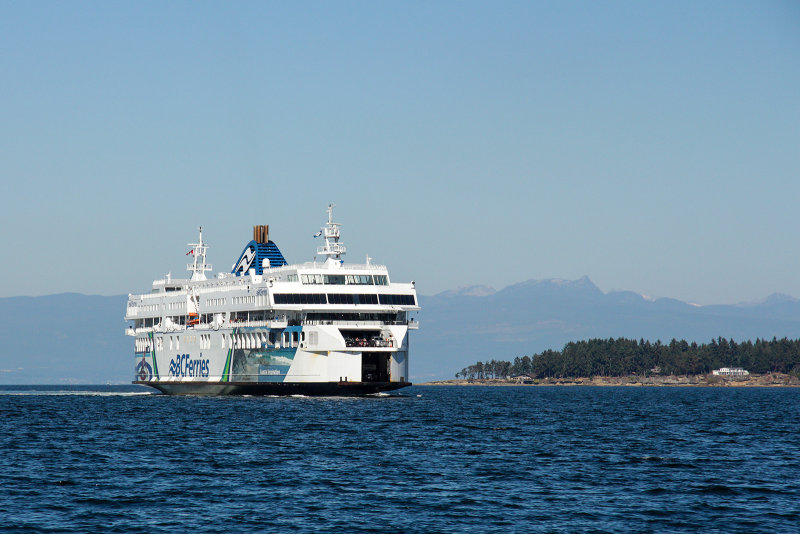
622,357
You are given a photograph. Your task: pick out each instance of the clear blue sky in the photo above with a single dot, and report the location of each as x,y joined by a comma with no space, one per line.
653,146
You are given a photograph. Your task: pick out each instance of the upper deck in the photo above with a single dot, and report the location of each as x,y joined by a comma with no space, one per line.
297,292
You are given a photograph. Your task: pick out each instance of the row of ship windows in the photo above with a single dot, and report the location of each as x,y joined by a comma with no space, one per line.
144,344
258,340
343,298
261,300
342,279
300,298
234,341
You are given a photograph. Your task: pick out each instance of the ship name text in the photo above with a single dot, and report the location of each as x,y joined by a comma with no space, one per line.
183,366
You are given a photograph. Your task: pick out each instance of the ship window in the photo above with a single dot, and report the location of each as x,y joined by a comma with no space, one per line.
381,280
335,279
397,300
300,298
366,299
388,318
359,279
340,298
312,279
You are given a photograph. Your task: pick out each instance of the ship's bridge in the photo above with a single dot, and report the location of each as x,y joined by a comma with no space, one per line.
310,274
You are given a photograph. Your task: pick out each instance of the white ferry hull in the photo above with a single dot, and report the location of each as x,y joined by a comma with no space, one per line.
264,361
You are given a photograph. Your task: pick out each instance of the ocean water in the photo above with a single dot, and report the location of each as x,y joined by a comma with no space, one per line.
425,459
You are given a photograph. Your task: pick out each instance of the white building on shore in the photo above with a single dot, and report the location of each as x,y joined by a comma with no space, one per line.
732,372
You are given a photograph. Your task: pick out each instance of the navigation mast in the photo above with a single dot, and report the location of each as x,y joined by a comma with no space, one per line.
332,248
199,267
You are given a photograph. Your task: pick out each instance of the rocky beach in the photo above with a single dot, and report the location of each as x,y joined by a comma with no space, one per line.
754,380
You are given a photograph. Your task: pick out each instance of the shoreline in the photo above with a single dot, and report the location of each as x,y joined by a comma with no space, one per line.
765,380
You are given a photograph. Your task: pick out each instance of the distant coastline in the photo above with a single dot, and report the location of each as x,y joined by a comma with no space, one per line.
754,380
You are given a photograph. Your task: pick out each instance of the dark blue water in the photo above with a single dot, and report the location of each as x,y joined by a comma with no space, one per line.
433,459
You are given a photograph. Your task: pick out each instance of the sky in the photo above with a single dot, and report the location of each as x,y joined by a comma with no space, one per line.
652,146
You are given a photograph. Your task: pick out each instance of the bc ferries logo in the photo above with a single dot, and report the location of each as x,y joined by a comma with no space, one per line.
246,261
183,366
143,371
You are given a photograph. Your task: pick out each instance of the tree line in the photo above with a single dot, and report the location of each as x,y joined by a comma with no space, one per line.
622,357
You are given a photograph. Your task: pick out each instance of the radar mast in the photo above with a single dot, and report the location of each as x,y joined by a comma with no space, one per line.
332,248
199,267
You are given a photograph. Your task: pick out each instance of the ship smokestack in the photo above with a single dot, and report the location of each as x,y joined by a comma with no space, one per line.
261,233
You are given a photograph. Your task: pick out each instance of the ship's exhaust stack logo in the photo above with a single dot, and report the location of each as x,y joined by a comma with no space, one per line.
143,371
247,260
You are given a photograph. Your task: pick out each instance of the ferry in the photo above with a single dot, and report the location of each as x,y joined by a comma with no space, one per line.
323,327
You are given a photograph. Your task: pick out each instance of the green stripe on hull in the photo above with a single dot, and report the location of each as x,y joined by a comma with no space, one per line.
153,354
225,375
226,372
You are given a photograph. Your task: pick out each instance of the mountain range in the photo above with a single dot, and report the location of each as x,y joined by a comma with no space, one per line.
461,327
73,338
